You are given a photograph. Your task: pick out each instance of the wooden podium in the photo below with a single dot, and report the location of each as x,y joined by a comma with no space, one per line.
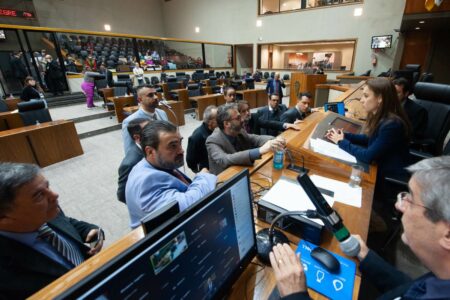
301,82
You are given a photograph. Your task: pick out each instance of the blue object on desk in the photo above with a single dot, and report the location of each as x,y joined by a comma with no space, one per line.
335,286
337,107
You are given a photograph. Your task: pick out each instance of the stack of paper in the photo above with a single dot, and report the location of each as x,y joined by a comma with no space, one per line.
331,150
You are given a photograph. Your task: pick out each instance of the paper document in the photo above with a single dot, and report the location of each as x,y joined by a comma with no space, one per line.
331,150
289,195
343,192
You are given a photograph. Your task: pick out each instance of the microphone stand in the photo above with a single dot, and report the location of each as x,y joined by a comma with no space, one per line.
292,165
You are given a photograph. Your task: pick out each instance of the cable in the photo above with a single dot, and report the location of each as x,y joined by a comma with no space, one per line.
256,272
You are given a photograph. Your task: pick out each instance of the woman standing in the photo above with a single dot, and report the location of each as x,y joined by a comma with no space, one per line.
386,133
88,85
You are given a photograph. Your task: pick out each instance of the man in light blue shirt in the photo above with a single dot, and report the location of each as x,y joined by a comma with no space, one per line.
148,102
155,180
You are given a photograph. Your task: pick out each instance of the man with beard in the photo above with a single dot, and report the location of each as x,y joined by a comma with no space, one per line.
148,103
155,180
230,144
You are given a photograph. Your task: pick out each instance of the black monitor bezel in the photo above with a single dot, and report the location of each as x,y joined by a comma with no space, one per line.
103,271
375,36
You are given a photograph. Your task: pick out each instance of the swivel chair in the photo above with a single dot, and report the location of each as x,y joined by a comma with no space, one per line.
33,111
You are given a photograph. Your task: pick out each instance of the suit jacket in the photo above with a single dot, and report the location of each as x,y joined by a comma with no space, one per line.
132,157
222,153
270,89
18,68
291,115
418,116
197,155
149,188
127,140
269,122
24,271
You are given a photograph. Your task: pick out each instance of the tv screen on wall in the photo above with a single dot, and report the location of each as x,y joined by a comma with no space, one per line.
381,42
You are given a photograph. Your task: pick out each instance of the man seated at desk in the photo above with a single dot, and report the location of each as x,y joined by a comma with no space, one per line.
197,155
38,243
300,111
156,180
270,115
148,103
230,144
426,230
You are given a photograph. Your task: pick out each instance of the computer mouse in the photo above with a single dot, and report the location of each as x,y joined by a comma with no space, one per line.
326,259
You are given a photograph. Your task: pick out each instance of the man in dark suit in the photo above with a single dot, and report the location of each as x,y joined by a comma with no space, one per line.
417,115
197,155
38,243
300,111
132,157
275,85
54,75
18,67
270,115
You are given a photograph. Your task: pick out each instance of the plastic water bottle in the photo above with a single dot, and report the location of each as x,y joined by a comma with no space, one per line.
278,160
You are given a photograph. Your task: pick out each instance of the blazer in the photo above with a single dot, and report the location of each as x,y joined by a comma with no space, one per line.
387,147
418,116
291,115
270,89
132,157
127,140
222,154
269,122
24,271
149,188
197,155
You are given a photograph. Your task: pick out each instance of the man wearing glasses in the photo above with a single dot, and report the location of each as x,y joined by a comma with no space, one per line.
426,224
148,103
230,144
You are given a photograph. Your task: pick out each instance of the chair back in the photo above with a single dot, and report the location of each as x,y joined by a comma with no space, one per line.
154,80
250,83
194,90
286,77
33,111
3,106
266,75
159,216
172,83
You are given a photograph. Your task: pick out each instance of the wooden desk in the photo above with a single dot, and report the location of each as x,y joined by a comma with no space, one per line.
10,120
254,97
43,144
177,108
204,101
119,103
257,286
12,103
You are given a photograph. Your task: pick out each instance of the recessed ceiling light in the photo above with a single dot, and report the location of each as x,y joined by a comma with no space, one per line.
284,4
197,29
417,28
422,22
107,27
258,23
358,12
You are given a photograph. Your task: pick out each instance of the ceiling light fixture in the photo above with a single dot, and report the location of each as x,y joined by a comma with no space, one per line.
258,23
197,29
422,22
417,28
358,12
107,27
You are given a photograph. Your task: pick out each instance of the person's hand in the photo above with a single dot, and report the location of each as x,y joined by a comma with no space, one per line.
298,122
364,249
288,270
204,170
92,236
291,126
335,135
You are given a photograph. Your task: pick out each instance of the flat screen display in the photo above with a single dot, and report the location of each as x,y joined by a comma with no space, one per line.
196,255
381,42
2,35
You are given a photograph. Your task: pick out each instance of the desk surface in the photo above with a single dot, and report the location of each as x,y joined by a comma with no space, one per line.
256,285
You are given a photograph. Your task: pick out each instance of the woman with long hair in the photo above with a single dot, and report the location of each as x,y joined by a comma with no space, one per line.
385,140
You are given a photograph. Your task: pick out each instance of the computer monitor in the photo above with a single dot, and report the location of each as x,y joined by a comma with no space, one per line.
381,42
197,255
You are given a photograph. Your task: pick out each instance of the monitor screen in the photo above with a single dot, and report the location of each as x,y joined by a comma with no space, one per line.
381,42
196,255
347,126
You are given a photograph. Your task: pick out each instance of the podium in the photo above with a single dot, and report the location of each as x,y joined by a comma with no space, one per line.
301,82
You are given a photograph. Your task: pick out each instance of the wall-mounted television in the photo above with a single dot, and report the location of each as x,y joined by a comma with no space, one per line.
381,42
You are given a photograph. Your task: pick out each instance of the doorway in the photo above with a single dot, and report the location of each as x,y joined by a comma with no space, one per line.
244,58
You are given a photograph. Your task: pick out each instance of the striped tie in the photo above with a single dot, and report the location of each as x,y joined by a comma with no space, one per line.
66,249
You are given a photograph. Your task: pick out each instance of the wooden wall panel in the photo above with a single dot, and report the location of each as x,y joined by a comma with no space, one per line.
418,7
417,48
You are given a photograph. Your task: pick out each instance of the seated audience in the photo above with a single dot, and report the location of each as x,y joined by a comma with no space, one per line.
230,144
417,115
426,230
275,85
300,111
133,155
32,90
156,180
386,133
270,115
197,155
248,121
38,243
229,94
148,103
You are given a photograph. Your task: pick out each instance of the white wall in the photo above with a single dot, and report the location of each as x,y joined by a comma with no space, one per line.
234,21
142,17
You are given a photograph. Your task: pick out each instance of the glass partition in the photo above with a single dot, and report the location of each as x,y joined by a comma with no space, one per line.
218,56
277,6
181,55
328,56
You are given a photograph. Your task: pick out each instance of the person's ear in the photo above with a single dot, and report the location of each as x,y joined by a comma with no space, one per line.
444,241
149,151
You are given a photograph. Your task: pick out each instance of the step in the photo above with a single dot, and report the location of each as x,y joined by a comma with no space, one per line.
97,126
78,112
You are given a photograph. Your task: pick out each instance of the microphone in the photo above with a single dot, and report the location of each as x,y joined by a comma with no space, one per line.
333,222
164,103
292,166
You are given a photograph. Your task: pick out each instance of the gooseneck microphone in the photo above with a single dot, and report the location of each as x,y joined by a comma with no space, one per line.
333,222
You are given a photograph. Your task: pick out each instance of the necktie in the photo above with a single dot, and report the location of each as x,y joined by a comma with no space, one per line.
66,249
154,117
276,88
180,176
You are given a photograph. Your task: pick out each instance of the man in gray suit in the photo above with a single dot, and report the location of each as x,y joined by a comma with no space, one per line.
229,144
148,102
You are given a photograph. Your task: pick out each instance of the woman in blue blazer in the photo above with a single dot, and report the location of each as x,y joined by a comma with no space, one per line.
385,140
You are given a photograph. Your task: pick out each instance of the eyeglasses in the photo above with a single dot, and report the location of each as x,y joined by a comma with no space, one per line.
406,197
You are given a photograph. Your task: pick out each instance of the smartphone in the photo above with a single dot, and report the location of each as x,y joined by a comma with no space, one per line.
97,240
